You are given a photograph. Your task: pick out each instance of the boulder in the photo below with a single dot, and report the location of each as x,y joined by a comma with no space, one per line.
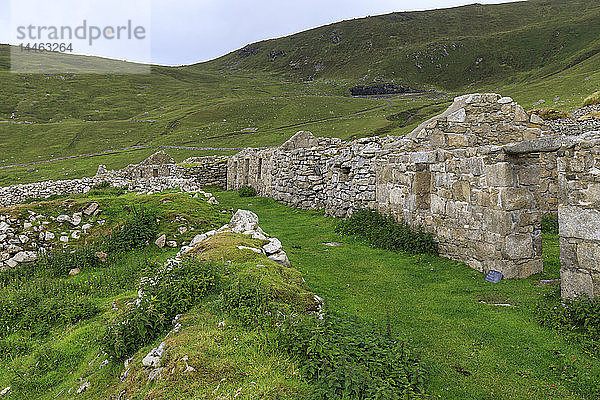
172,243
280,258
74,271
161,241
25,256
244,221
153,358
274,246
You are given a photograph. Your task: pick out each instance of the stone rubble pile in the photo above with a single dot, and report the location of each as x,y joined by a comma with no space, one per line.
246,223
22,239
579,124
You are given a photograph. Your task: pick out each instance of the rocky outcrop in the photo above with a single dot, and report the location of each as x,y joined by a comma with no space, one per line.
380,89
246,223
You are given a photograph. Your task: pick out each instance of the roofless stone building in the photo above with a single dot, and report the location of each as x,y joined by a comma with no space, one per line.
479,177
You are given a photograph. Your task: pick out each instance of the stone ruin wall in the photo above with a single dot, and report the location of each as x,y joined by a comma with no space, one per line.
479,177
450,176
579,216
191,175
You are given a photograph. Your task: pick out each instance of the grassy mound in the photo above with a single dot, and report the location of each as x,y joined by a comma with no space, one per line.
592,99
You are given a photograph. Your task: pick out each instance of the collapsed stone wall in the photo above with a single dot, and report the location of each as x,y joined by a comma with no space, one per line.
189,176
451,176
579,216
206,171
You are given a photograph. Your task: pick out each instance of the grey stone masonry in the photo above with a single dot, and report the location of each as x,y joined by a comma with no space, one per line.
579,216
451,176
157,173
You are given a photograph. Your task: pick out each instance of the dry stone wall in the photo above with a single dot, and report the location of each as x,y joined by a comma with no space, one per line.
189,176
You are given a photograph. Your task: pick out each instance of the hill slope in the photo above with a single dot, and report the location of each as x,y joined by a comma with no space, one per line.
262,94
446,48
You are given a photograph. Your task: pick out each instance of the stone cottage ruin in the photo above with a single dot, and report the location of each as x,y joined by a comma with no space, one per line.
479,177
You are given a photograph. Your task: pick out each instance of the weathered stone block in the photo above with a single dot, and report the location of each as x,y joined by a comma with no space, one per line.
500,174
531,268
462,191
576,282
576,222
588,256
519,246
515,198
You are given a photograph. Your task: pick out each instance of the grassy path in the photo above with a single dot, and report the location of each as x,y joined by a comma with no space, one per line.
471,348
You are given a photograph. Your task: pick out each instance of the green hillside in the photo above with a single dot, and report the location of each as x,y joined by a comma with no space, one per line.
262,94
446,48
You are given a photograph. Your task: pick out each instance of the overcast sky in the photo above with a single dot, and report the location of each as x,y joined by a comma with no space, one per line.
189,31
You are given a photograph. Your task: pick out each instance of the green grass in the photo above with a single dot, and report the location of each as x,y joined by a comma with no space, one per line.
469,347
592,99
439,305
535,50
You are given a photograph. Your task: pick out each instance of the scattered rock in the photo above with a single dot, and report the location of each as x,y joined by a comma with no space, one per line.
259,251
154,356
244,221
76,219
155,373
280,258
25,256
274,246
161,241
74,271
172,243
182,229
84,386
5,391
89,210
333,244
102,256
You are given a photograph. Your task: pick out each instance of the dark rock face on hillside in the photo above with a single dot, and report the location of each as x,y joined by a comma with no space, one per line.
273,54
248,51
380,89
